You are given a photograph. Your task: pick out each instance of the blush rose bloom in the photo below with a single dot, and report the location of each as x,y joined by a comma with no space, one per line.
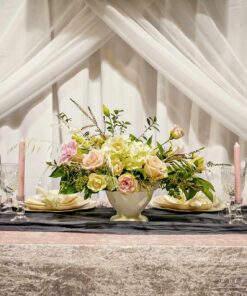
96,182
176,133
127,184
94,159
155,168
68,151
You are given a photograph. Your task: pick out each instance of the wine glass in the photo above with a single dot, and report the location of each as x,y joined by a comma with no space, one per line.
8,183
238,215
20,211
228,182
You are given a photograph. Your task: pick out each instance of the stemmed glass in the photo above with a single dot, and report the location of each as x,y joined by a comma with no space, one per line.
228,182
8,183
20,211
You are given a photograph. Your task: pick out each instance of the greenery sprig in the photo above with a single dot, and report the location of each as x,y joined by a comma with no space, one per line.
90,116
64,119
151,124
183,178
112,122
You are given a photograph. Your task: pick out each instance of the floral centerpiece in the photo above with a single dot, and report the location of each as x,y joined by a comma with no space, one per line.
126,166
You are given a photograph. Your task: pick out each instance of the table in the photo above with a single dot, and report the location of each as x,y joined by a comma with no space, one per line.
65,263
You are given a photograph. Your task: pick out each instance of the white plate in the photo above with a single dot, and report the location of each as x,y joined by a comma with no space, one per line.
88,206
219,208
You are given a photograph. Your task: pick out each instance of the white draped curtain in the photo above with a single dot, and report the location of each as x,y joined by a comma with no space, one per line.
183,60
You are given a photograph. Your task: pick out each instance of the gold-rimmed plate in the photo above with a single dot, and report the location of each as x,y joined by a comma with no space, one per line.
199,203
164,207
36,204
90,205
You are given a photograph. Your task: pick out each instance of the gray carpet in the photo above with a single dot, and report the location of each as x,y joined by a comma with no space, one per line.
159,270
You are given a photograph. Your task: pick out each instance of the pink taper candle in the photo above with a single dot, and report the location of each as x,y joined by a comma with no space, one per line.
21,169
237,169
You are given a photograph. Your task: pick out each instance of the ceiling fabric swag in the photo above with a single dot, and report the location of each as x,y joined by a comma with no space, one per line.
82,36
184,65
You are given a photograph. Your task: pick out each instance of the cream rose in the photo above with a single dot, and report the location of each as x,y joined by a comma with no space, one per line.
115,165
117,145
94,159
127,184
96,182
155,168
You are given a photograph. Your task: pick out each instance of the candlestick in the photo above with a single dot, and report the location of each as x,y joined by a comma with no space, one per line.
237,170
21,178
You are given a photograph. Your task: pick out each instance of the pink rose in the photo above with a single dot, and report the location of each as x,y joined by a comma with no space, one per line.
127,184
94,159
68,151
155,168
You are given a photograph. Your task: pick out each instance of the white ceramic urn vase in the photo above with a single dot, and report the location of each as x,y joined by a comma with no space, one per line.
129,206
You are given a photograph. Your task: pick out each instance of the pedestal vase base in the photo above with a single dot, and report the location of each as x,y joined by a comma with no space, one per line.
119,217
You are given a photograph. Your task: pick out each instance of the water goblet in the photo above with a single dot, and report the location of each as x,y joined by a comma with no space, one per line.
9,184
20,211
228,182
238,215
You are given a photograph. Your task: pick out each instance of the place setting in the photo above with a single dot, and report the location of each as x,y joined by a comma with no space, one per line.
15,202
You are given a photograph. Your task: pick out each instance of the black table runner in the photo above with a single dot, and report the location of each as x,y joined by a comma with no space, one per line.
98,221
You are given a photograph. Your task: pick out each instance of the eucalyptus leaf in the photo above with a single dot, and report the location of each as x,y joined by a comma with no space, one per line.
58,172
161,149
208,193
190,193
149,141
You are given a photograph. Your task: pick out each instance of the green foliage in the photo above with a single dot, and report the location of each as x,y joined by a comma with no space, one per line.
65,119
182,178
66,188
113,123
80,183
151,124
206,187
111,182
149,141
161,151
73,178
58,172
134,138
87,192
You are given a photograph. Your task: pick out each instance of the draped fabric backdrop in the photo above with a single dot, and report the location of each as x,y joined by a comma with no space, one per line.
183,60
